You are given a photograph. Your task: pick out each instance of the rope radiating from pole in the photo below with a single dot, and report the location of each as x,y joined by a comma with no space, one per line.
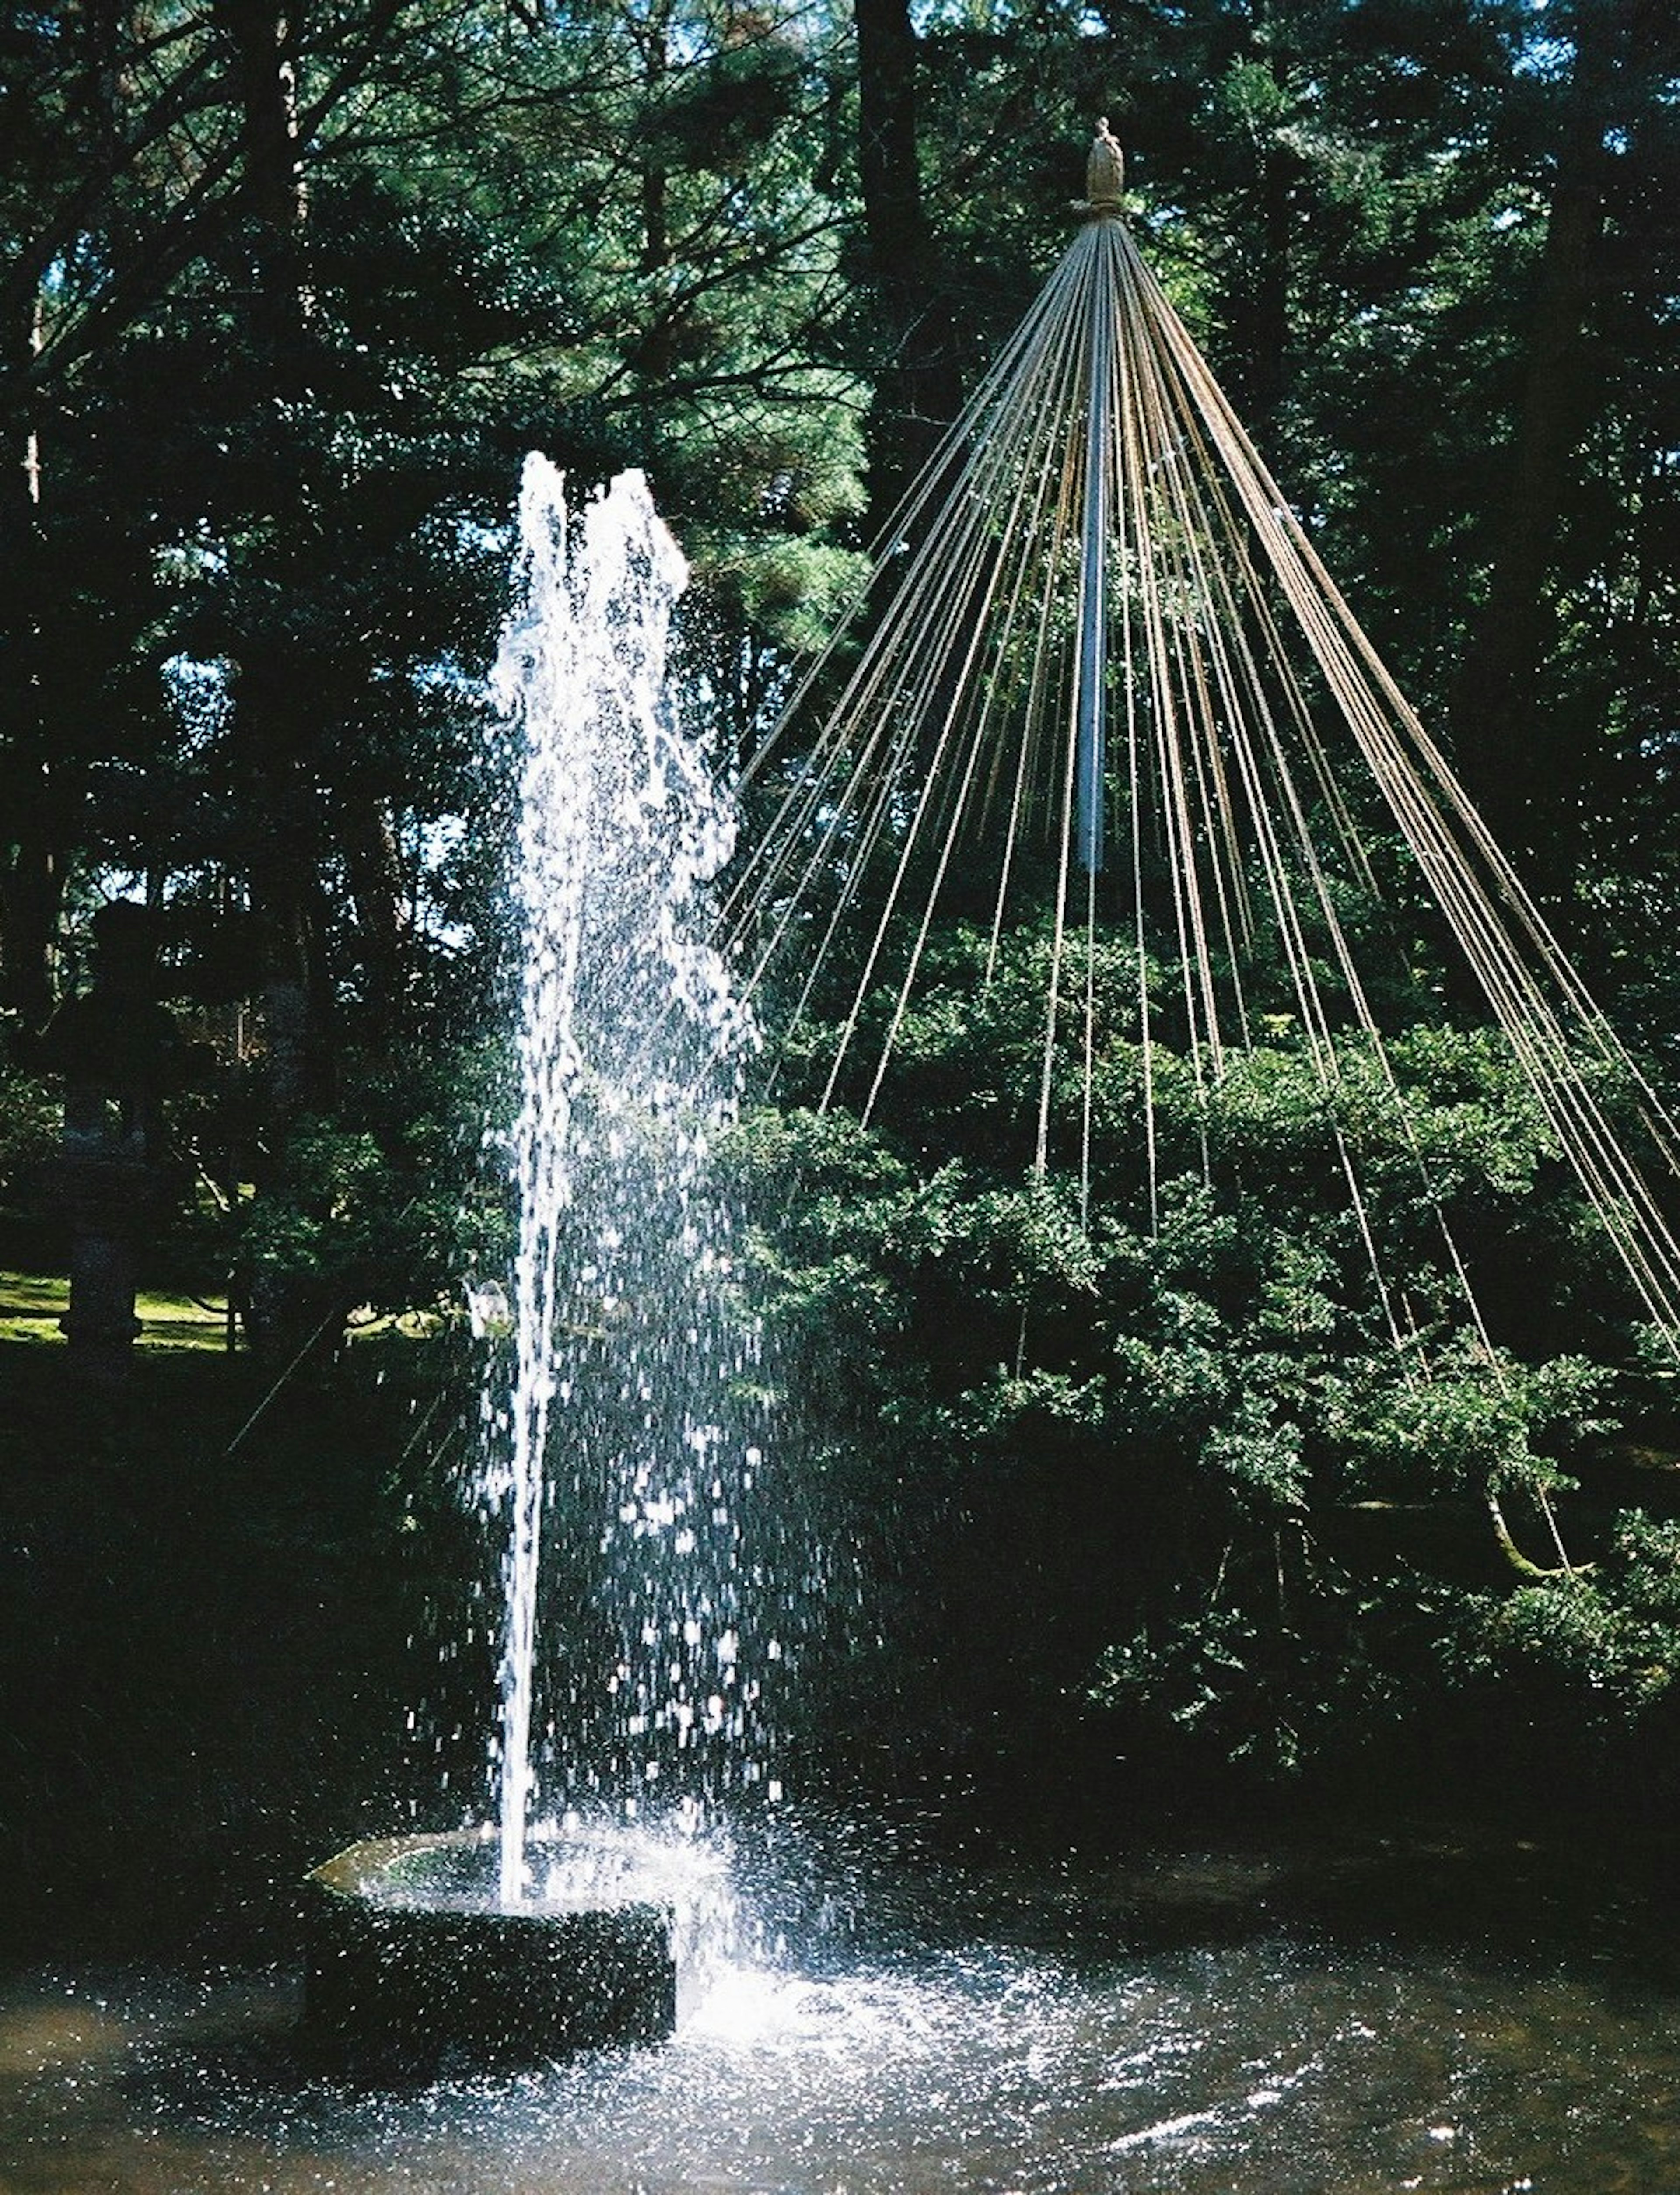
1097,542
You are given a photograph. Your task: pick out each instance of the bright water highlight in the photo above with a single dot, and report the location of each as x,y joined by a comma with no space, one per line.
617,1438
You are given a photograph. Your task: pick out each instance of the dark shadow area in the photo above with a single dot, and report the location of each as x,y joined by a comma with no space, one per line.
211,1640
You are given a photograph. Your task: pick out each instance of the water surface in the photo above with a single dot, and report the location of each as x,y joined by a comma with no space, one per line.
1206,2024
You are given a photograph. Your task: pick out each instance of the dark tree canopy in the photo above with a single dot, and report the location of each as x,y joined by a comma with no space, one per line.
284,296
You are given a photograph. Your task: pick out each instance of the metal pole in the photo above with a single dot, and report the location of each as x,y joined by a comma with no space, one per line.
1090,767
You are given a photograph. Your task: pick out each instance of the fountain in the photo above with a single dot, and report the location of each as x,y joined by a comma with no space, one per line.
1389,2008
1161,710
612,1407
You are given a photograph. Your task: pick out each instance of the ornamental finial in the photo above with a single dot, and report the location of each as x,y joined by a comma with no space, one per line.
1105,170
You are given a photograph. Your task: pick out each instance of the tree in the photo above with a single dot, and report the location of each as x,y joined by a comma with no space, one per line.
1242,1521
338,272
1612,138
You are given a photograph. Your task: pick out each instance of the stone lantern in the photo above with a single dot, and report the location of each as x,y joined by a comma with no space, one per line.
120,1053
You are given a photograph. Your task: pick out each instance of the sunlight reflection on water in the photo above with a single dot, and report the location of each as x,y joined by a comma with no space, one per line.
1277,2065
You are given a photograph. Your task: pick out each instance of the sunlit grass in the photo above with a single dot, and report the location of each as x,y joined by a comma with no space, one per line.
31,1305
423,1324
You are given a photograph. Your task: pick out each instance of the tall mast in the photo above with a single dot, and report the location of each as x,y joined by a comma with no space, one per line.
1104,175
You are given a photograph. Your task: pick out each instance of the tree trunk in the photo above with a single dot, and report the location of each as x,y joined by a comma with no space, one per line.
373,863
1259,320
32,879
275,201
296,1068
283,868
1505,752
888,166
272,690
917,389
32,903
654,355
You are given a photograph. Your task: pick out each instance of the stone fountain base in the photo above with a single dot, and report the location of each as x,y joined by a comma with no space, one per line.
409,1964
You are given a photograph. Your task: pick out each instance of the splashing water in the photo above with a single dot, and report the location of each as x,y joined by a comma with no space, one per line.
618,1425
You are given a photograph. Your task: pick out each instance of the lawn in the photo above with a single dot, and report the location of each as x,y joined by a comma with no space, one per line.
31,1305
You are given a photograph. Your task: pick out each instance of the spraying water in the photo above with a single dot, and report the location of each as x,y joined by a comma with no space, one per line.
620,1421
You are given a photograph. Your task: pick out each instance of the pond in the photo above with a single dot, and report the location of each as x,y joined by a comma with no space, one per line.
1463,2018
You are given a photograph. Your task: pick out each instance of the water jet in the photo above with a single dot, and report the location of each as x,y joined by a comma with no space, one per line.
613,1359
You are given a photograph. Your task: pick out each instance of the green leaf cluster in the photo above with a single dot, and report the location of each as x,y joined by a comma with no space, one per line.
1204,1476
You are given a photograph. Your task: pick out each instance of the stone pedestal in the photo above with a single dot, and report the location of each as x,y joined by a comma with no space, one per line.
105,1199
120,1053
408,1971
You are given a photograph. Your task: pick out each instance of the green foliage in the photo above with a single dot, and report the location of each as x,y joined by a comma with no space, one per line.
375,1205
1241,1517
29,1130
1603,1645
1466,1426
